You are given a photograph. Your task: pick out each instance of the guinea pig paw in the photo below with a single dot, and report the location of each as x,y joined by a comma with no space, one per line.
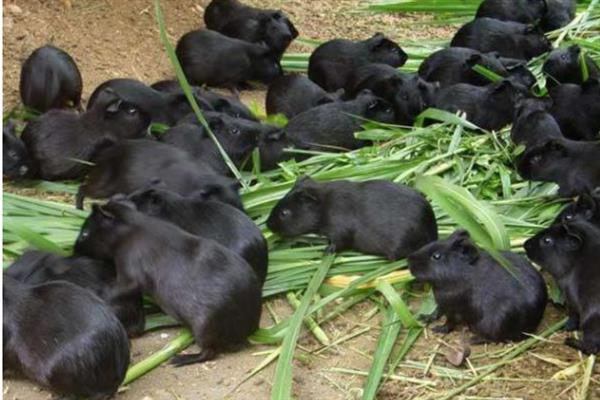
581,346
429,318
476,339
187,359
331,249
571,325
442,329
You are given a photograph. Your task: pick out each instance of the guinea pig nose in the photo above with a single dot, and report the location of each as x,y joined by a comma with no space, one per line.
23,170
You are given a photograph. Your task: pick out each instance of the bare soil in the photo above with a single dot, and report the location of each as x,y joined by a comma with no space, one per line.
114,38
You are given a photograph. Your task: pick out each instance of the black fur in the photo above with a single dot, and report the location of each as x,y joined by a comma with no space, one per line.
509,39
59,138
271,146
205,286
331,64
524,11
569,252
50,79
472,288
573,165
564,66
212,220
586,207
63,337
577,109
16,163
533,124
208,57
135,164
560,13
374,217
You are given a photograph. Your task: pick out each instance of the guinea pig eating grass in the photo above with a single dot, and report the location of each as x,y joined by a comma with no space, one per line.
569,252
472,288
202,284
63,337
373,217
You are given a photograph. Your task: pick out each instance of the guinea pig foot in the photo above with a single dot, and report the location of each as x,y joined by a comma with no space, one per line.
187,359
583,346
331,249
572,324
476,339
443,329
429,318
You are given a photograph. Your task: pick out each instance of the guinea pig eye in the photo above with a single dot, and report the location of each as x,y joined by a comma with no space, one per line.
436,256
84,234
285,213
564,57
131,111
568,217
537,159
372,105
235,131
547,241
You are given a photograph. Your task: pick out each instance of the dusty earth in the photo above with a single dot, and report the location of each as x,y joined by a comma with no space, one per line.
110,39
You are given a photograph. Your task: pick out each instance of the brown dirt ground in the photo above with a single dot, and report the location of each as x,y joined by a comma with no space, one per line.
111,39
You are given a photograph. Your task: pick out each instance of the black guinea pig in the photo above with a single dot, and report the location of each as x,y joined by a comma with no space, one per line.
559,13
208,57
16,163
569,252
524,11
220,222
271,149
36,267
331,64
408,94
564,66
50,79
455,65
533,124
586,207
573,165
61,142
63,337
498,303
292,94
135,164
373,217
576,108
332,126
489,107
509,39
202,284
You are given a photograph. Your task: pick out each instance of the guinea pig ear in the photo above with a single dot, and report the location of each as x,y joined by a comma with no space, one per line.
326,99
216,122
587,205
114,106
573,240
473,60
275,135
556,146
465,250
220,105
102,211
574,50
292,28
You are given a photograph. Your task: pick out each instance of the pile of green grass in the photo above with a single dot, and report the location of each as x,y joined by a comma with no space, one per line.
469,177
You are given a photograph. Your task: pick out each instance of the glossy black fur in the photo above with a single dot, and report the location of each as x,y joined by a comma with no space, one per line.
36,267
208,57
577,109
586,207
489,107
271,146
332,126
135,164
472,288
573,165
560,13
220,222
50,79
509,39
533,124
563,65
16,163
63,337
374,217
569,252
331,64
524,11
207,287
292,94
59,138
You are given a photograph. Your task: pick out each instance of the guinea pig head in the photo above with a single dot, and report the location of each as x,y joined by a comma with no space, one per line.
299,212
545,162
125,120
385,51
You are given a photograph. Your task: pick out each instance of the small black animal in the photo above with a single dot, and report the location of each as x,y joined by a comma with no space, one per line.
15,157
408,94
36,267
50,79
564,66
586,207
569,252
208,57
573,165
197,281
472,288
271,146
135,164
560,13
331,64
533,124
60,142
577,109
455,65
63,337
292,94
374,217
220,222
332,126
509,39
524,11
489,107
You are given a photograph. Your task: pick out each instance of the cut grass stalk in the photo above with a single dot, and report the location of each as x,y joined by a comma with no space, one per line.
310,323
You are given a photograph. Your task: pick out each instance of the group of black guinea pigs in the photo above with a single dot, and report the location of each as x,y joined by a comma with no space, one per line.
175,222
